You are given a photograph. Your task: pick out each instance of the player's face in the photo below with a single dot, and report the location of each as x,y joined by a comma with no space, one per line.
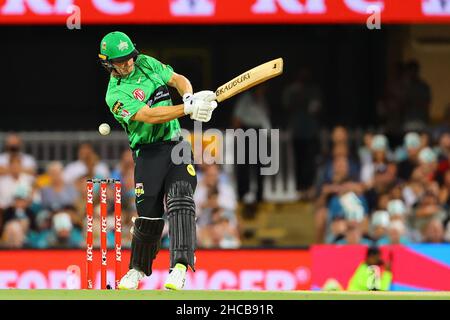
124,68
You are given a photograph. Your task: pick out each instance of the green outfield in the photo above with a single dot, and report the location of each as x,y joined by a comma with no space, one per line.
12,294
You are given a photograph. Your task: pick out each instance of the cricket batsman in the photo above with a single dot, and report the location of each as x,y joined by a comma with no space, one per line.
140,101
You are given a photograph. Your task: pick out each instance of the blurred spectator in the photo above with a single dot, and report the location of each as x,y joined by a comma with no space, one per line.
399,212
417,97
215,204
433,232
379,225
330,190
354,214
63,234
396,191
87,164
340,136
58,193
396,234
426,210
18,219
340,147
444,192
223,176
365,151
384,179
13,148
212,194
443,154
337,229
425,138
80,187
77,217
339,150
406,165
302,100
372,274
428,164
11,181
379,160
38,238
251,112
354,235
220,233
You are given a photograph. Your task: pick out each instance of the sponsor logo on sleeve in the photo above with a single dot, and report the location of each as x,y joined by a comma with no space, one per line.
117,107
125,113
160,94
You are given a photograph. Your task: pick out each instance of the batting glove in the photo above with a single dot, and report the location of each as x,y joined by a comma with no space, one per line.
203,110
205,95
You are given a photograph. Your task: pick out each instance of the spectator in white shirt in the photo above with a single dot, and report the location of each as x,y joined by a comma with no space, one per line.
12,147
87,164
10,182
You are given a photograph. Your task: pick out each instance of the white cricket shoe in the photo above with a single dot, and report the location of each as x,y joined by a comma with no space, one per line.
131,280
176,278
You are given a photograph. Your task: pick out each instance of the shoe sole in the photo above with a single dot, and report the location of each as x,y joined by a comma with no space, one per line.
170,286
119,287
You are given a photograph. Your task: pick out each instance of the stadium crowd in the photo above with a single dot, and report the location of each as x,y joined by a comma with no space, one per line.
47,210
389,186
368,193
382,196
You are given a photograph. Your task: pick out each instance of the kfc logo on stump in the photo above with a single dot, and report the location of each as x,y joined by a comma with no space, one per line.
139,94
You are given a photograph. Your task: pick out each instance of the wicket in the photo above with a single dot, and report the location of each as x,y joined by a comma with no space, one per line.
103,230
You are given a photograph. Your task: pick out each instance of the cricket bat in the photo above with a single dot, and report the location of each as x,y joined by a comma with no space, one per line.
250,79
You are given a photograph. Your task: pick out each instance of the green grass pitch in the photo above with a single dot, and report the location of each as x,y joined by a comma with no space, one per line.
12,294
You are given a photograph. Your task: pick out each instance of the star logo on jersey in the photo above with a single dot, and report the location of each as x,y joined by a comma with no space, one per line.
122,45
139,190
139,94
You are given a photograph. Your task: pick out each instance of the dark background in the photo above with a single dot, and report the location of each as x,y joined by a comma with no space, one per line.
51,78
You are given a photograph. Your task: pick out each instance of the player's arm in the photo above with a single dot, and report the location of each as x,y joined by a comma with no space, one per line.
181,83
159,114
184,88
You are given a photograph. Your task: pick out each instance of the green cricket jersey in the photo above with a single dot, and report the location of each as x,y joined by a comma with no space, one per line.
146,85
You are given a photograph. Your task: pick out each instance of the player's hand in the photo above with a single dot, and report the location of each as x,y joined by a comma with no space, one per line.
203,110
188,98
205,95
